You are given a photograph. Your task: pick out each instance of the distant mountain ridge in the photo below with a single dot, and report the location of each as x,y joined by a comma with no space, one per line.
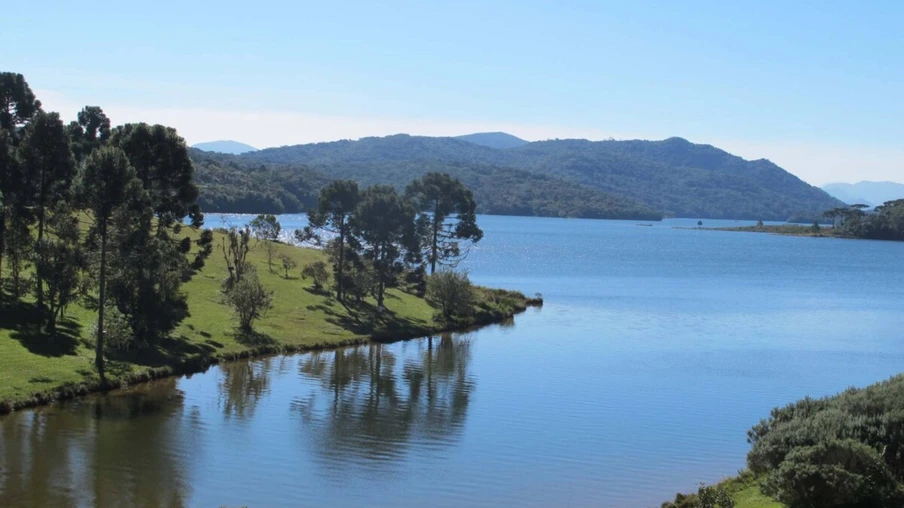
497,140
225,146
866,192
673,176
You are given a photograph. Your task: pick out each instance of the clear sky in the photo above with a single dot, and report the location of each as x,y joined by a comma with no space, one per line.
815,86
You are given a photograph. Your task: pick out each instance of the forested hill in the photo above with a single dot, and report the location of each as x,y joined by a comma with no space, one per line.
231,184
672,176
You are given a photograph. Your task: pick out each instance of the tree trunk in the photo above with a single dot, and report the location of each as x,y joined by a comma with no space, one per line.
433,246
40,281
2,244
341,268
101,300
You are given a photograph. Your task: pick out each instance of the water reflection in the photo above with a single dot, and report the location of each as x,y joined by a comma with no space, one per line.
375,402
243,385
127,449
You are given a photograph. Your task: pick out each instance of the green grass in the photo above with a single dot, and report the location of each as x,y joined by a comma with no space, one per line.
35,368
744,491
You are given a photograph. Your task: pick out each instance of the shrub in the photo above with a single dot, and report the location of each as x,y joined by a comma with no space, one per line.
288,263
451,292
837,473
848,448
117,331
248,299
318,272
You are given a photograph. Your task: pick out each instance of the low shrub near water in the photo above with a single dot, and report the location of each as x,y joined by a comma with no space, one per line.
846,450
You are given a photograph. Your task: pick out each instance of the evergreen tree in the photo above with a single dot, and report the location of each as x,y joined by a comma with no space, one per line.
49,168
447,221
335,206
104,184
18,103
384,223
89,132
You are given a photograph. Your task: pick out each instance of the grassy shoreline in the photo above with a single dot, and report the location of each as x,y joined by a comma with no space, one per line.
36,369
784,230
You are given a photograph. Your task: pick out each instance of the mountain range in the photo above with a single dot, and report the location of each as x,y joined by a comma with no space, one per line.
569,178
866,192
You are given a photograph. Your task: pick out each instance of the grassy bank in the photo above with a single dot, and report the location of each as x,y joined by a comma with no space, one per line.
36,369
743,489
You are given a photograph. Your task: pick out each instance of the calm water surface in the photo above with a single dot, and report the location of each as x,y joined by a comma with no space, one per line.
657,349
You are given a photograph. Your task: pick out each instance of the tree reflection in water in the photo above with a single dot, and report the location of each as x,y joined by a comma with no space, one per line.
378,401
126,449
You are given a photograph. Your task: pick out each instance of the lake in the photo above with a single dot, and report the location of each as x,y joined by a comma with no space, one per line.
655,352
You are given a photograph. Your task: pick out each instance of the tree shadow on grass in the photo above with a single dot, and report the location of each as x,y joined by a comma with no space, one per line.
26,322
364,318
253,338
164,352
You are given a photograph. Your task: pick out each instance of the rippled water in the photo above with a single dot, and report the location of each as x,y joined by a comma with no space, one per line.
657,349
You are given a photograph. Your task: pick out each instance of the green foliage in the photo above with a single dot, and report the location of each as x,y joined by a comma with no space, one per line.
452,293
317,272
235,245
89,132
58,261
18,103
849,447
117,331
248,298
447,218
383,224
841,472
335,206
626,179
288,263
886,222
266,228
230,184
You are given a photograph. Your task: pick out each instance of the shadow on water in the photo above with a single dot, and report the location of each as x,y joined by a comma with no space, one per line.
120,449
374,403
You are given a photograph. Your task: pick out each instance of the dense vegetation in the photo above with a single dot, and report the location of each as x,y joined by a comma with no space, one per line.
671,177
885,222
241,185
101,231
846,450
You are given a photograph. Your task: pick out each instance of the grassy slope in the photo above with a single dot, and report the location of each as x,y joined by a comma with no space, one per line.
32,364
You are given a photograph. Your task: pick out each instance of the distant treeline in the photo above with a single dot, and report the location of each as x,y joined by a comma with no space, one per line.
234,184
571,178
885,222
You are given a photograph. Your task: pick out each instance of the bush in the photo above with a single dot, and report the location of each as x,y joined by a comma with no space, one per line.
318,272
837,473
117,331
848,449
248,299
707,496
288,263
452,293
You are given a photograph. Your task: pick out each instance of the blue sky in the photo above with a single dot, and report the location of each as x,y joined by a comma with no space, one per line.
815,86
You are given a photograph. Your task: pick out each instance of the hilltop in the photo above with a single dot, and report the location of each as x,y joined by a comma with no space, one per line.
498,140
225,146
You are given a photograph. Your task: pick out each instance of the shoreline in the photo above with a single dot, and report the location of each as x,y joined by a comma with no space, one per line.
201,363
